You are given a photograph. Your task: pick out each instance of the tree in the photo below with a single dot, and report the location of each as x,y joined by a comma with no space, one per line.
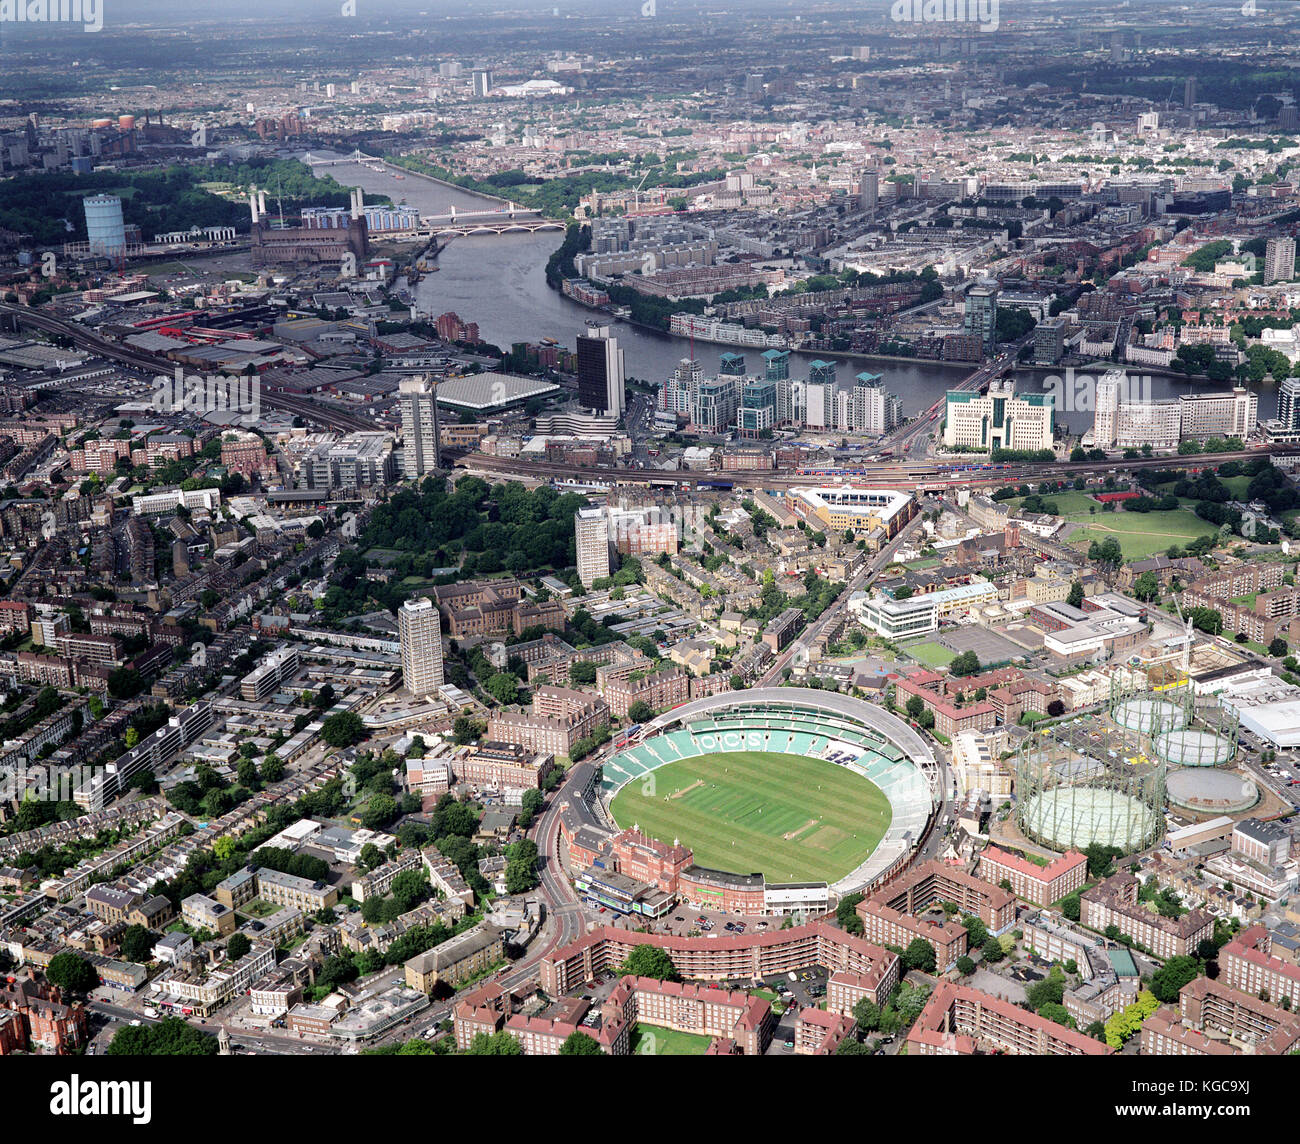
1054,1011
410,888
846,913
1075,596
1072,906
371,857
238,946
137,944
579,1044
1146,587
465,730
1169,980
1050,991
965,966
246,772
650,961
521,866
170,1037
125,683
500,1044
976,931
992,950
1101,859
343,729
1278,647
582,672
379,812
640,712
867,1015
920,955
503,687
968,663
272,768
72,973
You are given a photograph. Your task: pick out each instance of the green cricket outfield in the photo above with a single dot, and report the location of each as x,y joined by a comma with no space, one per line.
792,818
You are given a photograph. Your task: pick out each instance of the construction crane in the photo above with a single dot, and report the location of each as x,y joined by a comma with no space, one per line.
636,203
1186,621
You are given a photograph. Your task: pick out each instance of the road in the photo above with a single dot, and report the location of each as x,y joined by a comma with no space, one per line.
913,439
869,572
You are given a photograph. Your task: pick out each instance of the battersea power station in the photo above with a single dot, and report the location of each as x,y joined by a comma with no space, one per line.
280,245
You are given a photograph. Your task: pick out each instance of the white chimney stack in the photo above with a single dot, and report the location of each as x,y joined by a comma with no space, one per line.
252,205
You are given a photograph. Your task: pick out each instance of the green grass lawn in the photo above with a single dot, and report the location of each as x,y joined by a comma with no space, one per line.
789,817
1238,486
654,1040
1141,534
1071,504
929,653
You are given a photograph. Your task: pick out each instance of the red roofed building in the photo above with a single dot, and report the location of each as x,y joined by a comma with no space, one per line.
1164,1035
845,989
1041,885
1247,963
936,881
540,1037
1252,1024
49,1024
819,1032
948,717
719,958
648,860
482,1010
15,616
959,1021
887,926
698,1009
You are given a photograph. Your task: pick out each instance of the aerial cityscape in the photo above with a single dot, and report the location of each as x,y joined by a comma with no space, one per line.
650,529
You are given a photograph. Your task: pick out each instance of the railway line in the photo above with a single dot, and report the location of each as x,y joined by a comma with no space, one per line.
82,338
903,474
907,475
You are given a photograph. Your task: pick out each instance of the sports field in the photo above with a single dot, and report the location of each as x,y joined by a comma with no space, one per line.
789,817
1141,534
654,1040
930,653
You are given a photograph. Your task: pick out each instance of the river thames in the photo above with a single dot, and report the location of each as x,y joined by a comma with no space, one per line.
500,283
